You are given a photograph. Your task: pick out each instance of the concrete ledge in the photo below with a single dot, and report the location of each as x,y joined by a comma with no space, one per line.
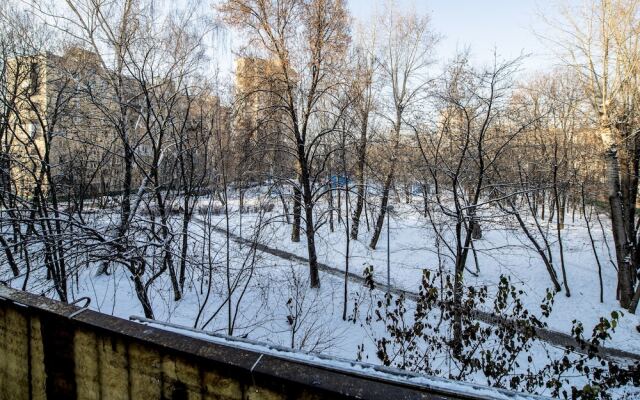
80,353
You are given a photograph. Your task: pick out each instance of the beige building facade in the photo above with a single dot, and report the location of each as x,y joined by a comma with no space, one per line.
59,131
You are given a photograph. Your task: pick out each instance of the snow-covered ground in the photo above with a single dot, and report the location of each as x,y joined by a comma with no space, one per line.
271,290
503,250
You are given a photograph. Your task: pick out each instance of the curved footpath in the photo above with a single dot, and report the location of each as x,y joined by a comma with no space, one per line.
547,335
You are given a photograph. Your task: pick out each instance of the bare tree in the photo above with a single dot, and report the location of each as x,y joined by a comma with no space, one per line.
362,91
307,56
473,130
404,52
601,44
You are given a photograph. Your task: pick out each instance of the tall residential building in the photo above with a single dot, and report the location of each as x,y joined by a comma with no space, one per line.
61,118
261,123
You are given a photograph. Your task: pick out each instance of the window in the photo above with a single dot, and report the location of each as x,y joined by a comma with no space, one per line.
34,75
30,129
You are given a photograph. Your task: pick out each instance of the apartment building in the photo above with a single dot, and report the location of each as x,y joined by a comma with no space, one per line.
60,132
261,123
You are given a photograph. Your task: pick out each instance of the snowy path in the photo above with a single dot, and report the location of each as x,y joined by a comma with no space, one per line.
552,337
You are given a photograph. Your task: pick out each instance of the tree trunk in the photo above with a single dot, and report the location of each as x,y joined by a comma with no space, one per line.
339,204
562,210
9,255
547,262
285,209
634,302
367,209
314,277
425,199
476,229
347,245
330,199
458,293
295,228
141,293
357,212
623,254
186,217
377,229
559,225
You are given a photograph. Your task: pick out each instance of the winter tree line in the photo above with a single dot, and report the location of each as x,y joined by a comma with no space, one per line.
477,141
118,133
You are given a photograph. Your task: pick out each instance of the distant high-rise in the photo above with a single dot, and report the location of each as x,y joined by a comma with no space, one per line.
260,123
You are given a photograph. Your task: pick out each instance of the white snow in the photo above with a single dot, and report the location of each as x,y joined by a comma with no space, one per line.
262,311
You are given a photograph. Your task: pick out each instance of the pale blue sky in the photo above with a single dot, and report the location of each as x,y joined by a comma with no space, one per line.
509,26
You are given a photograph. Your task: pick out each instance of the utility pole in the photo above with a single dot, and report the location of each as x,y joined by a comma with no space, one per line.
389,209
